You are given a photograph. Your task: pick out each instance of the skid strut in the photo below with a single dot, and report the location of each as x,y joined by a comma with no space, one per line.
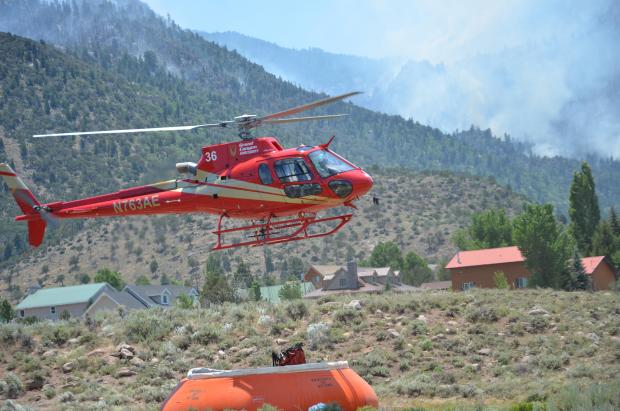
272,231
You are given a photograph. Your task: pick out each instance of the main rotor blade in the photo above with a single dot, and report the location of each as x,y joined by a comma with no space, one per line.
296,119
308,106
135,130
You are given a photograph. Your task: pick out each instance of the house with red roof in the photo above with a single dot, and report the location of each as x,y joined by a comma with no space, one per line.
600,271
476,268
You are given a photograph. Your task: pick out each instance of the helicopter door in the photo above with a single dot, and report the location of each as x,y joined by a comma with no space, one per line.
264,173
297,178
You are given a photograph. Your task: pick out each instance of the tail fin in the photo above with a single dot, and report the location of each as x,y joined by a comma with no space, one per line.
27,202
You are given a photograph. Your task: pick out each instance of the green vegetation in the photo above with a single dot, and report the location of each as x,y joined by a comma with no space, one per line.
291,290
184,301
489,229
476,350
216,289
414,269
544,245
499,278
113,278
6,311
583,208
552,251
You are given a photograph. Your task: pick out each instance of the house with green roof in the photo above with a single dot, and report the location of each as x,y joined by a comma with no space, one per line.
50,303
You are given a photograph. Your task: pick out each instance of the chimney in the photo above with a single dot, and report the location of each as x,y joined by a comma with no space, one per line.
352,275
458,255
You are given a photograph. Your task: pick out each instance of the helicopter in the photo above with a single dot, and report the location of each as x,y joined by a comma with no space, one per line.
279,191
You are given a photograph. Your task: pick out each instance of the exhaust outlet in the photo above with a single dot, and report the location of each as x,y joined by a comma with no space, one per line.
186,168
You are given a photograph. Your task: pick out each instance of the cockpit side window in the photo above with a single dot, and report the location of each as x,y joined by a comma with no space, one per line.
328,164
292,169
265,174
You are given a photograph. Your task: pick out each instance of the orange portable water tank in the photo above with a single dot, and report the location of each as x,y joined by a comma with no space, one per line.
293,387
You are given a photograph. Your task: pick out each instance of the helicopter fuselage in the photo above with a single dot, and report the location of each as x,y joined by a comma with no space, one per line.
249,179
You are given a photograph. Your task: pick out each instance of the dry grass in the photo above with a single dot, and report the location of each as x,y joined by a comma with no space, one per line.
455,350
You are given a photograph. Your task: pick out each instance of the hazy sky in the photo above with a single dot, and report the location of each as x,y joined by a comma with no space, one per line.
546,71
438,31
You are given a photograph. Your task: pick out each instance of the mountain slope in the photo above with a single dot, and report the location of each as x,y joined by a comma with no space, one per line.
108,30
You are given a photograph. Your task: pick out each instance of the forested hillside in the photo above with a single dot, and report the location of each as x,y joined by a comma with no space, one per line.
103,31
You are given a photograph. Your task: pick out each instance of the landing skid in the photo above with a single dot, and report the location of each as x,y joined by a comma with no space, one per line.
277,231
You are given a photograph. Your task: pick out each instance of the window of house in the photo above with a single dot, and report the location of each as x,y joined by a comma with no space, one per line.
292,169
343,282
164,299
22,314
328,164
317,278
53,310
468,285
265,174
521,282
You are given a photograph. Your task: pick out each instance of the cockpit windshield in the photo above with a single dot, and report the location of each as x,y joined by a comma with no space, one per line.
328,164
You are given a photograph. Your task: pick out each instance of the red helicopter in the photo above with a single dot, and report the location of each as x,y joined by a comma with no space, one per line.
279,190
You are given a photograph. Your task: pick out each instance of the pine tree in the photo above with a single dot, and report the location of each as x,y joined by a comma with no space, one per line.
415,270
6,311
256,294
216,289
578,274
614,222
583,209
243,276
603,240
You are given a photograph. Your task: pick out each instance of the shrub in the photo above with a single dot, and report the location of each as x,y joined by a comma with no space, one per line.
499,278
482,314
586,398
206,335
11,387
48,391
317,334
184,301
373,364
66,396
538,324
297,310
290,291
348,315
418,327
147,325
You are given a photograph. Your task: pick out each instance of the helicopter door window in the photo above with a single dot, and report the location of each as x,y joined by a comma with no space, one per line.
292,170
265,174
328,164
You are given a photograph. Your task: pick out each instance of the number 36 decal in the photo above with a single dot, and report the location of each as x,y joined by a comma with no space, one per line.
210,156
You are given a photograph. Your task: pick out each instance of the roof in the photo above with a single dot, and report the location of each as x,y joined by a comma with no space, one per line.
488,256
437,285
50,297
272,293
125,299
151,294
367,271
327,271
590,263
